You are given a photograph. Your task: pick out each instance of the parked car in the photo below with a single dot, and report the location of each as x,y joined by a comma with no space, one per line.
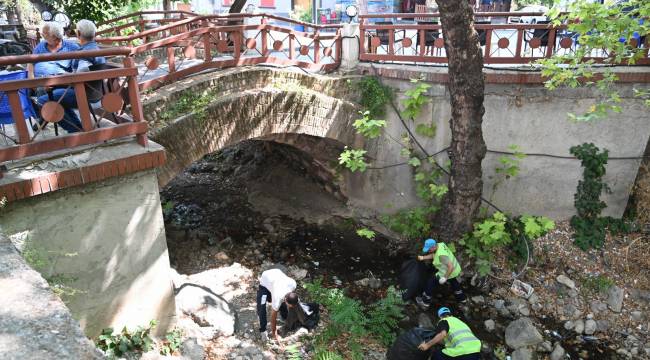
526,19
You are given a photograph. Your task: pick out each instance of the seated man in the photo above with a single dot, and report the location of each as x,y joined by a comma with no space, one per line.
86,35
53,43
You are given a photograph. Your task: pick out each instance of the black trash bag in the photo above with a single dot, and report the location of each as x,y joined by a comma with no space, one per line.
413,278
406,345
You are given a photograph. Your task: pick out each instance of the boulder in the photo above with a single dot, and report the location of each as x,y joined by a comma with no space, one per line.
191,350
524,353
206,308
490,325
564,280
579,326
558,353
521,333
615,296
590,327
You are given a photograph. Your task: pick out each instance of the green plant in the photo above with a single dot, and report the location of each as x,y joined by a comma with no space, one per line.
589,230
351,320
327,355
415,99
298,13
501,231
126,341
599,27
172,342
189,103
384,316
374,96
367,233
353,159
411,223
368,127
598,283
293,352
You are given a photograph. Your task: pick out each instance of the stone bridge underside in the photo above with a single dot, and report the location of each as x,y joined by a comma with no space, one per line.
252,103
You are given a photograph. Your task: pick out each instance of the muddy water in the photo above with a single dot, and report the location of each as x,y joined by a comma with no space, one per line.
211,220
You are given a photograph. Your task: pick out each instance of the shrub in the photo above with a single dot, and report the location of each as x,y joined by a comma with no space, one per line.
126,341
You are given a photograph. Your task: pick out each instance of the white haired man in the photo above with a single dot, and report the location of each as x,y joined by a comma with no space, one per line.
86,35
53,42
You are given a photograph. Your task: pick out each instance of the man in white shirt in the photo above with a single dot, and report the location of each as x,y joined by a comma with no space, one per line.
277,288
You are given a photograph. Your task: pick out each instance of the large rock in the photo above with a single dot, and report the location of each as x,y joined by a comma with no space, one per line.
524,353
206,308
590,327
564,280
521,333
558,352
615,297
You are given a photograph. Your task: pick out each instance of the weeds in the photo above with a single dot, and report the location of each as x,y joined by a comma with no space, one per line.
116,345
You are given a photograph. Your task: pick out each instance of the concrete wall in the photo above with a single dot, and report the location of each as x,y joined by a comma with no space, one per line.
533,118
108,240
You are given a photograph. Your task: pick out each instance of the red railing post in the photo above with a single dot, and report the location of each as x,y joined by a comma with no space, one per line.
237,43
207,54
134,99
550,47
171,58
362,36
263,32
292,51
316,46
488,43
391,42
19,117
82,105
520,40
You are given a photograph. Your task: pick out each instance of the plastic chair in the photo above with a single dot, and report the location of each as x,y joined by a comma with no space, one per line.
25,102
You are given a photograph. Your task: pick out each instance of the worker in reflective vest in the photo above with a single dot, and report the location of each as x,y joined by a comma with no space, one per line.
447,270
460,342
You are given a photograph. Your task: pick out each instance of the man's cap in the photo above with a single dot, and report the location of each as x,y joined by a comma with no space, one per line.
443,311
428,244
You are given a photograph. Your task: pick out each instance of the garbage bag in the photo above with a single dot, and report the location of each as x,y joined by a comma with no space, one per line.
413,278
406,345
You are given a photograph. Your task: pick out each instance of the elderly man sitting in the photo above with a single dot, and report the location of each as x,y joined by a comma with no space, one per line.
86,35
53,43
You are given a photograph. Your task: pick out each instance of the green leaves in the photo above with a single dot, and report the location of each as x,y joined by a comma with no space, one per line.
368,127
600,29
367,233
415,99
426,130
353,159
510,163
374,96
126,341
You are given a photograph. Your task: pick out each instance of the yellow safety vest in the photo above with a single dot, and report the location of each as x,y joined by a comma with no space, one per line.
443,250
460,340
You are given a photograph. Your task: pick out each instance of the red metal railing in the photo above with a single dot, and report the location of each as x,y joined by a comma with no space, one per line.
25,144
138,21
409,41
230,40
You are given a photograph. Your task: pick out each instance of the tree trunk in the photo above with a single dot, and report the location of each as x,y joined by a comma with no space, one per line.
467,147
237,6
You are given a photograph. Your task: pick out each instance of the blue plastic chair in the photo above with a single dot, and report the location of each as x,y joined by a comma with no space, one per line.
25,102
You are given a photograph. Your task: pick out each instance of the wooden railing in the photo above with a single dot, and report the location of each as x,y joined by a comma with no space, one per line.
230,40
24,143
405,40
138,21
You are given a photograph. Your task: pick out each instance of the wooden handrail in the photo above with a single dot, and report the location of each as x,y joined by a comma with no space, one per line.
33,58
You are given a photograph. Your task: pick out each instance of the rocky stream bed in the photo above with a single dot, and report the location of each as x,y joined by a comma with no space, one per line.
235,213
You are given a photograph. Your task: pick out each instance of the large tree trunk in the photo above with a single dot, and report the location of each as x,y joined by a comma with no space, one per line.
237,6
467,91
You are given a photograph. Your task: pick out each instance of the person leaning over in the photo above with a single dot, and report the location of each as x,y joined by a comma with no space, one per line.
277,288
447,270
460,343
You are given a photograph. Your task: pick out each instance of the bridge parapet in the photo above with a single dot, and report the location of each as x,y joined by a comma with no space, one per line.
28,137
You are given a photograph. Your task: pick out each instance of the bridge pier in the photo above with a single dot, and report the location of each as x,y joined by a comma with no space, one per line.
101,242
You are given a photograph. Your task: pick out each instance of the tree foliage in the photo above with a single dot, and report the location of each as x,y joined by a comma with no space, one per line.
95,10
612,29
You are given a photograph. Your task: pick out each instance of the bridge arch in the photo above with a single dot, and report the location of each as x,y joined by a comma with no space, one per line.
251,104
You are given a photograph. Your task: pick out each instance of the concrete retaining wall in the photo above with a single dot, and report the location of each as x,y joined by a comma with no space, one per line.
106,242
